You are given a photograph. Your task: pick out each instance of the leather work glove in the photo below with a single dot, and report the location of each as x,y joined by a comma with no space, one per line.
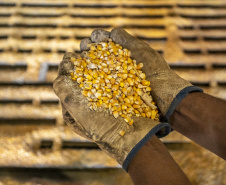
168,89
100,126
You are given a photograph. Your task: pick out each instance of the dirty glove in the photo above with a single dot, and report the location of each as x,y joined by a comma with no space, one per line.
99,126
168,89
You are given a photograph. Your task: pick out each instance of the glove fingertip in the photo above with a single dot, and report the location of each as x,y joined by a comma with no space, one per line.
65,67
68,55
100,35
83,44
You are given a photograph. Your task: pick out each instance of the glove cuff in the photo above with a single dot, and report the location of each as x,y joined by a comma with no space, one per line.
146,138
179,97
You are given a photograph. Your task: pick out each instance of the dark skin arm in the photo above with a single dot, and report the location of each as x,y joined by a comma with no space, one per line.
154,165
200,117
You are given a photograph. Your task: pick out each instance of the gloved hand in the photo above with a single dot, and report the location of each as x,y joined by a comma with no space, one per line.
99,126
168,89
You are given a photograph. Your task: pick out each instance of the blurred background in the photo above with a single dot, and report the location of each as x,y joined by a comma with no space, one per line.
36,147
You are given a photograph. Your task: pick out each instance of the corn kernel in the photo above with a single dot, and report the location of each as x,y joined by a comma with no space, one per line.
135,106
104,98
124,90
145,83
153,114
148,89
148,114
112,81
143,114
121,133
115,114
130,122
124,107
89,77
140,65
121,84
85,93
115,87
108,90
80,79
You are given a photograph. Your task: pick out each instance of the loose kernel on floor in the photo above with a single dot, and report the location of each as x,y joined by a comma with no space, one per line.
111,80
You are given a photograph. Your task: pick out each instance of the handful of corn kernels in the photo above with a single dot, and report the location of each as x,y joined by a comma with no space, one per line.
110,79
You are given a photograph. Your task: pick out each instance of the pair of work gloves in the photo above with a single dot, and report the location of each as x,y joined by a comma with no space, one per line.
168,89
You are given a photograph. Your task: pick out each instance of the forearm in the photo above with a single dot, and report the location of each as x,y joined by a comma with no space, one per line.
154,165
202,118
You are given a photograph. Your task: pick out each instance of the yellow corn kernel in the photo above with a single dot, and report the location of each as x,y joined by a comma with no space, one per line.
135,106
123,95
92,56
124,76
98,95
81,85
99,47
128,105
123,115
109,77
119,109
120,100
108,90
115,87
127,100
148,114
112,81
98,104
74,78
88,85
142,75
129,61
139,92
121,133
121,84
148,89
100,101
131,76
140,65
95,75
84,64
143,114
115,114
90,72
124,107
104,98
124,90
130,122
130,81
153,114
89,77
127,119
132,71
109,96
85,93
124,66
102,80
119,75
145,83
80,79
